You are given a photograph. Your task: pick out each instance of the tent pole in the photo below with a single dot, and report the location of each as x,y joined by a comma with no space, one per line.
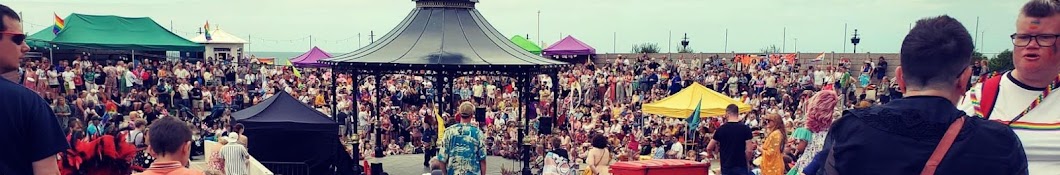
524,91
378,127
334,97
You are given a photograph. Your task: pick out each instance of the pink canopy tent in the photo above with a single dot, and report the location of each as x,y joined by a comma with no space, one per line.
569,46
309,59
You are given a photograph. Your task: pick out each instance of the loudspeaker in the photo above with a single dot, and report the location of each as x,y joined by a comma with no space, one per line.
545,125
480,115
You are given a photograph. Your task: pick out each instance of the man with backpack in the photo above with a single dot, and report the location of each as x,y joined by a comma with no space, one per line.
1021,98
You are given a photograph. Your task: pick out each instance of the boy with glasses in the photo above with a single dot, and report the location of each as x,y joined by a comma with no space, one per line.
1021,98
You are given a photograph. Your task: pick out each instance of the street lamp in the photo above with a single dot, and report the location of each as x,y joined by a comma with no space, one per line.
684,43
855,40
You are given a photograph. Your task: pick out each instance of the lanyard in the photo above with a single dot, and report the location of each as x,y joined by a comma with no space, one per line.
1037,101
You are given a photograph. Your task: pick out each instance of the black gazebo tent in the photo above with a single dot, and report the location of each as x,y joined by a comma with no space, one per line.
445,39
283,129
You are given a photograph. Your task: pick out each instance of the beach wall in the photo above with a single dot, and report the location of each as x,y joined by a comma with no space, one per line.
806,59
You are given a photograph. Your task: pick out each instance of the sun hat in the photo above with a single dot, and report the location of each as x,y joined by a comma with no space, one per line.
232,137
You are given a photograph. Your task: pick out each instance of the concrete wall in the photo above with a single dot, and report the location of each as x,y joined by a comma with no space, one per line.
805,59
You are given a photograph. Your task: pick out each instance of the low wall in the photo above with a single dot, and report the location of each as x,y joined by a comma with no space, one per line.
804,58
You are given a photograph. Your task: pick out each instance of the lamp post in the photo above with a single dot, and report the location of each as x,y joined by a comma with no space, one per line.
855,40
684,43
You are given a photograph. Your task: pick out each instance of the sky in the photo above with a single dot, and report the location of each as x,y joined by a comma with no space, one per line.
611,26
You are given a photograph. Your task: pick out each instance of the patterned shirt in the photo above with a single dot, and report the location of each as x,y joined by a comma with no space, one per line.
462,149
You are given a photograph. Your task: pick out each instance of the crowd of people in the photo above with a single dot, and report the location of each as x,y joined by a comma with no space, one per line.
94,97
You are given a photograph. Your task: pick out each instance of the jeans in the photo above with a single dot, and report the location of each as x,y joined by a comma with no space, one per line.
736,171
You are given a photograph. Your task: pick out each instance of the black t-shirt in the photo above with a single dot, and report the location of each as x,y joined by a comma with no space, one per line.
731,138
342,117
196,93
101,78
28,127
150,116
230,75
977,70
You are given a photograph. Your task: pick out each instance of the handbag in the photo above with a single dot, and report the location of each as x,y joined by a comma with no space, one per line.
589,171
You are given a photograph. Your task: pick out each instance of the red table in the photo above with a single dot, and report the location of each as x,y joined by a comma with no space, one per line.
660,167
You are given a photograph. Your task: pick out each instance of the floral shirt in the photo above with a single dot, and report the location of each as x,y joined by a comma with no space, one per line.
462,148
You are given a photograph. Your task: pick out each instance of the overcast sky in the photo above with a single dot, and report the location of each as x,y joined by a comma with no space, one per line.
818,25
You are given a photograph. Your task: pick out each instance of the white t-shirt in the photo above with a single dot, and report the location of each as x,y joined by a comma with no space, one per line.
1038,130
477,90
68,76
183,89
181,73
53,77
678,149
771,81
818,77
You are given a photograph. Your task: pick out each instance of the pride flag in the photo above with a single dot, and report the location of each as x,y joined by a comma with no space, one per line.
441,124
59,24
693,120
207,31
294,69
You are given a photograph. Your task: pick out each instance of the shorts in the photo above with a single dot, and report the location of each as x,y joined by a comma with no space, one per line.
196,104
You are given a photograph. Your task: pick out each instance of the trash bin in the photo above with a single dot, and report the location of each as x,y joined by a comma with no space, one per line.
377,168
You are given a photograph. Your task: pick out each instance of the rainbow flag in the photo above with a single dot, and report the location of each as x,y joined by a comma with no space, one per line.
59,24
207,31
819,57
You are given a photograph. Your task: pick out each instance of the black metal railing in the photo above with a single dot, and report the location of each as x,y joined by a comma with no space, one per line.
287,168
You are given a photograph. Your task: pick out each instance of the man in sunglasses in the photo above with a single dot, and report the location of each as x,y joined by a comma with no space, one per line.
28,127
1026,98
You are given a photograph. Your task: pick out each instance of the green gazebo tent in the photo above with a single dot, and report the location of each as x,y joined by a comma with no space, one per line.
526,44
112,33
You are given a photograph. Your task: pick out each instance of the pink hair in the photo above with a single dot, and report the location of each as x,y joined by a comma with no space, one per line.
820,110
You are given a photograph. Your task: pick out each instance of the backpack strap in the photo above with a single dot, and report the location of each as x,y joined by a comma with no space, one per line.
984,104
943,147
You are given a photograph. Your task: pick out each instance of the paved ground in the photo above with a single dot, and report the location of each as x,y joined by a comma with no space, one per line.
413,164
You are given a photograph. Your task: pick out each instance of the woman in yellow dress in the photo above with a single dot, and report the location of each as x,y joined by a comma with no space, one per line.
772,149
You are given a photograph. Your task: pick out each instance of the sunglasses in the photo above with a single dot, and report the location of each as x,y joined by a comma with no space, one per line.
17,38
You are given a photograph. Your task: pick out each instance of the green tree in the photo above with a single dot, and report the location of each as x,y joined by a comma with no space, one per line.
976,56
1002,62
646,48
770,49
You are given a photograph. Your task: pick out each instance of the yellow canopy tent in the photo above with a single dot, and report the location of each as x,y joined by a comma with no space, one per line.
681,104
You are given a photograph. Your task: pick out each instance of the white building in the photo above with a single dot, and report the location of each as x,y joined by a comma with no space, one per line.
221,44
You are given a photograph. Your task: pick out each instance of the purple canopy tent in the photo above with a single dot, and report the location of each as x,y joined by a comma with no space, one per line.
569,48
309,59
